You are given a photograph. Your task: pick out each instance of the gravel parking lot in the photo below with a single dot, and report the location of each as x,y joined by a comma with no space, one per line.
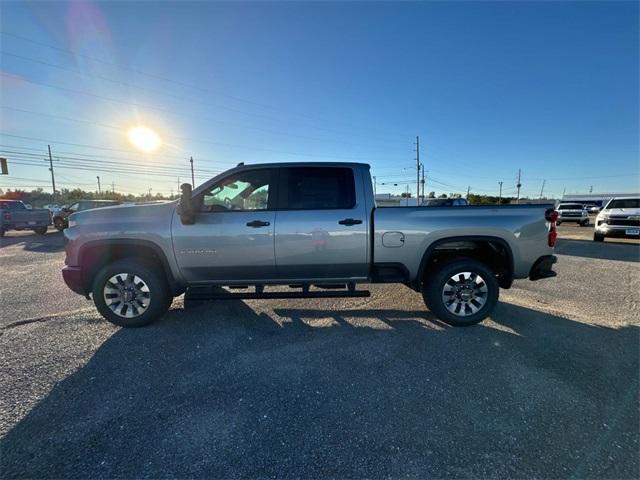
367,387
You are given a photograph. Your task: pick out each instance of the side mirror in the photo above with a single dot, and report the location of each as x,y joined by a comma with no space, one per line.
185,206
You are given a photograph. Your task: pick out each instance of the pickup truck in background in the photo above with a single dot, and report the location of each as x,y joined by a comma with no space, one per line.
619,218
313,227
60,217
14,215
573,212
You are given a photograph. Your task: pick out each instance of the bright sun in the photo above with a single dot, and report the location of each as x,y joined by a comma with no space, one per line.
144,139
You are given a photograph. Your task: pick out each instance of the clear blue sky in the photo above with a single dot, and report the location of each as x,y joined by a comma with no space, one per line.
551,88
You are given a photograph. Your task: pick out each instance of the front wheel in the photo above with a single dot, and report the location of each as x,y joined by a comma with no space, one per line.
129,293
585,223
40,230
461,292
598,237
59,224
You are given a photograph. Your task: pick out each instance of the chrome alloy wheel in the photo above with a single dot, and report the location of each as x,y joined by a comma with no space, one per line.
127,295
464,293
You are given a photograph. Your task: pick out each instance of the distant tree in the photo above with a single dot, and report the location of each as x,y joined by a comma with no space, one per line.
442,195
405,194
432,194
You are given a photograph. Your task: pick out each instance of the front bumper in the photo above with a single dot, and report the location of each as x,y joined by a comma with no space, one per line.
542,268
73,278
616,230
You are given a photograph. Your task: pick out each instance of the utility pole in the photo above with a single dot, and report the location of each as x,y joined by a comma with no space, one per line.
500,194
150,193
591,189
99,189
542,189
178,185
417,169
375,186
113,187
422,181
518,185
53,178
193,179
468,190
407,195
564,190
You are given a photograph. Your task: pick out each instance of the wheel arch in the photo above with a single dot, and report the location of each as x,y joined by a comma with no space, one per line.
95,254
493,251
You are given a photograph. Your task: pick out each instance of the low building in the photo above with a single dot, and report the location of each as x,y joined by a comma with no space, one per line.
598,199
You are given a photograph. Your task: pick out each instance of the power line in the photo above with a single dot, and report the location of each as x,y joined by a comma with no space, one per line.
186,139
176,82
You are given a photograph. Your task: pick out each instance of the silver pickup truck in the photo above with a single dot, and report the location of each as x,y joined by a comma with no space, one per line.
14,215
313,227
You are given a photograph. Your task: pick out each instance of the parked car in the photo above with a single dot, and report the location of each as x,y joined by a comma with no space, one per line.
60,218
445,202
312,226
620,217
573,212
593,208
14,215
53,208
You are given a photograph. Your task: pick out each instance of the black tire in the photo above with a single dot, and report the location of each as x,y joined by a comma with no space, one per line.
558,223
585,223
59,223
40,230
2,232
434,284
159,294
598,237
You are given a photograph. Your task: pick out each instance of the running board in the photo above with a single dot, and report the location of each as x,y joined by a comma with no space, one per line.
216,293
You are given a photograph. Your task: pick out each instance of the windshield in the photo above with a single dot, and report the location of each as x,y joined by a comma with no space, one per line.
624,203
570,206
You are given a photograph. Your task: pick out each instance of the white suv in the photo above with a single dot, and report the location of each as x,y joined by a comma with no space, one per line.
620,217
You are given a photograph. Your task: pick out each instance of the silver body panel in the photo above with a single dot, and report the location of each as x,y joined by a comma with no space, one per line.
306,245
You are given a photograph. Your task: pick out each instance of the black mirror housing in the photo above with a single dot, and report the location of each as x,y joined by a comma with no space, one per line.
185,206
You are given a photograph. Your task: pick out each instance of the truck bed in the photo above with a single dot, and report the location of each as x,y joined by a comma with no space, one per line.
403,234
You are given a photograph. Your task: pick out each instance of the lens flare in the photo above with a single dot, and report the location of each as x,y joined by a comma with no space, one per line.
144,139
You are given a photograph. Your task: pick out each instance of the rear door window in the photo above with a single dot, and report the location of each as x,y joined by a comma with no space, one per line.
318,188
12,206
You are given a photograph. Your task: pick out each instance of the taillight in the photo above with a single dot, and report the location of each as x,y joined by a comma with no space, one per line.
551,215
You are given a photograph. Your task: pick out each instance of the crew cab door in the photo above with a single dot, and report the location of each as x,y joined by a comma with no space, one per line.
233,234
321,224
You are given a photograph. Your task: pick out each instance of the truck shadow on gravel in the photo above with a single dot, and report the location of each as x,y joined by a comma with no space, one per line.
222,391
623,252
51,242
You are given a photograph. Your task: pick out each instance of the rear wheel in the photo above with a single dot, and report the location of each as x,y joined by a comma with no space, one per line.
129,293
598,237
584,223
40,230
461,292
